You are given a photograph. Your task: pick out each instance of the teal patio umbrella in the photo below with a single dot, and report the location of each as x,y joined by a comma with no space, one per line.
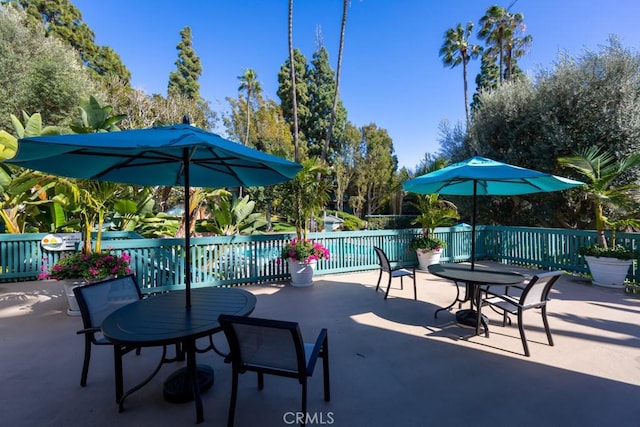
178,155
479,176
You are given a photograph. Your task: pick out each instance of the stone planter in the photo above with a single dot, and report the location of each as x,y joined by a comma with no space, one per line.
608,272
301,273
425,259
69,284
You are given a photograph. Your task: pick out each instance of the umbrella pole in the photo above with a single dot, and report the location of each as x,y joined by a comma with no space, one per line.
187,233
473,227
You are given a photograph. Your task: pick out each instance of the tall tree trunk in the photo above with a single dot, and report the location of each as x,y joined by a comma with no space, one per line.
246,137
294,100
466,97
325,149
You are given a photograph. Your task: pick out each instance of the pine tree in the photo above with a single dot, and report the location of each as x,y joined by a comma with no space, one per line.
184,81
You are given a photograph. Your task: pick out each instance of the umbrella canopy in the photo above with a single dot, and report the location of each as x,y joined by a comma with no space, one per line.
154,156
479,176
178,155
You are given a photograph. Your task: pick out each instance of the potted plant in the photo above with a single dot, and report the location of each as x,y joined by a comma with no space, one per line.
611,195
302,256
434,212
78,268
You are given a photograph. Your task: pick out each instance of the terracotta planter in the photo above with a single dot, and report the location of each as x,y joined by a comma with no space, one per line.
608,272
425,259
301,273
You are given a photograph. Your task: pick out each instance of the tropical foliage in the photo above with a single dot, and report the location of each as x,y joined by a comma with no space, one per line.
230,216
426,243
611,190
306,195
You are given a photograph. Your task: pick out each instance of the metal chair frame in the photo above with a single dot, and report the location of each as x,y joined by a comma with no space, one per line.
244,332
534,295
386,266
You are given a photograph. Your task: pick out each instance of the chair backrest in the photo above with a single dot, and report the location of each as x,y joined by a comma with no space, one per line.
98,300
537,291
384,261
264,344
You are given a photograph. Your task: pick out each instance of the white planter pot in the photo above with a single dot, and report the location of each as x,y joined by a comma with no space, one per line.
608,272
425,259
69,284
301,273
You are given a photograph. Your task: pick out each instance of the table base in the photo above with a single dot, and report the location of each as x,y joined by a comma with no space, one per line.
470,318
178,389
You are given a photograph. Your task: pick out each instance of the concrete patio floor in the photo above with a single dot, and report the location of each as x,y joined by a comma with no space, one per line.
392,363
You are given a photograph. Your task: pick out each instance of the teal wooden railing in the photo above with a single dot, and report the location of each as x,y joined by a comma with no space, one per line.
234,260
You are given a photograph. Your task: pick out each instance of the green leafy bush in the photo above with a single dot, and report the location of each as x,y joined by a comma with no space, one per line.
596,250
426,243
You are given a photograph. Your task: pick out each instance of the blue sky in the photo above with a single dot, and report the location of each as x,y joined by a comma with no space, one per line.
392,75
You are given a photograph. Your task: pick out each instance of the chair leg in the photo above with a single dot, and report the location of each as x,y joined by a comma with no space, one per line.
546,324
260,380
379,279
388,287
304,401
87,358
117,362
522,336
325,369
415,289
401,284
234,397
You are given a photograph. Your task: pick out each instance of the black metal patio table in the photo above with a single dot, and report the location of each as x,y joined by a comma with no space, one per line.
164,320
474,279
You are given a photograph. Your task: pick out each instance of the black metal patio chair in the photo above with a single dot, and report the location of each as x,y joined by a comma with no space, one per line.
386,266
534,295
272,347
98,300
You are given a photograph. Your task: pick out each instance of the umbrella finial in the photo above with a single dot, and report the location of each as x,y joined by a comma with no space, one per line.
185,120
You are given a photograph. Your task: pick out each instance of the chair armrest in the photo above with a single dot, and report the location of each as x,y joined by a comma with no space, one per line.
88,331
506,298
320,345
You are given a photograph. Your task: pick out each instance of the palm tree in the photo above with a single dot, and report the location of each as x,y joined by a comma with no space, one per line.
249,82
493,28
603,171
500,29
457,50
325,149
515,47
